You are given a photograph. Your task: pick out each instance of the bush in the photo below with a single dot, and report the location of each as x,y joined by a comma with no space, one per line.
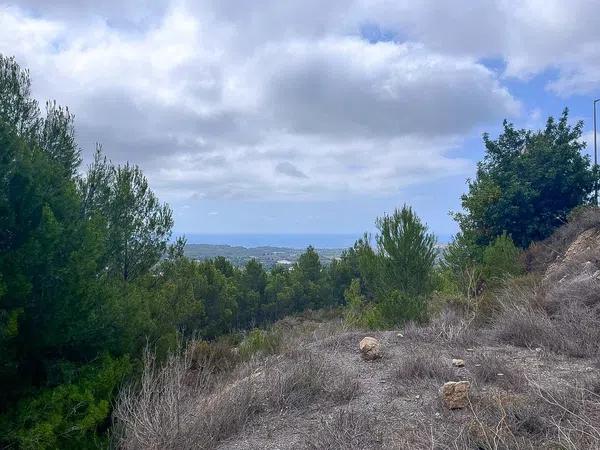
460,267
421,364
490,368
346,430
260,341
501,259
212,357
72,415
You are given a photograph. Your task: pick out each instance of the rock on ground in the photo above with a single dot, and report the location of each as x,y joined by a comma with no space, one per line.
455,394
370,349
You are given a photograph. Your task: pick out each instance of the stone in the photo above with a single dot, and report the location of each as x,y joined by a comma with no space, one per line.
370,349
455,394
458,362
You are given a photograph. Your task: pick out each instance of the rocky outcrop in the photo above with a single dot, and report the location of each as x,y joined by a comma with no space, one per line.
581,259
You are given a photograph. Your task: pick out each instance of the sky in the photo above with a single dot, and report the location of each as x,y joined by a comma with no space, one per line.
274,116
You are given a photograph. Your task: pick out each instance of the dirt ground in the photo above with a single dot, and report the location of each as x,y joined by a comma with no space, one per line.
387,411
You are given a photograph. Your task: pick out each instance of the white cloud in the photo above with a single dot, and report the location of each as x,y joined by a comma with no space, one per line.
215,100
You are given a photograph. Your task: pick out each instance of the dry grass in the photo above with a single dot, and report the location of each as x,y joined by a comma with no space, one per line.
489,368
345,430
420,364
181,406
563,317
448,328
565,417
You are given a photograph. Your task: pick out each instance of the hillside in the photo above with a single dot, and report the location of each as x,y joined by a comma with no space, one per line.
532,366
268,256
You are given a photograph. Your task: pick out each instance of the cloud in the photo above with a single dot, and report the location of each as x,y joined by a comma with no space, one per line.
290,170
221,100
530,37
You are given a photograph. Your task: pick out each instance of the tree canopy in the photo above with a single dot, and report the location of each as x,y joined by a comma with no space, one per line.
527,182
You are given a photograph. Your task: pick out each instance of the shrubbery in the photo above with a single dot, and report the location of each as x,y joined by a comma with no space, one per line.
398,276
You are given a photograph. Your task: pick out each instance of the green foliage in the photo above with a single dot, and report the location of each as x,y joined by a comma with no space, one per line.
138,226
60,308
70,415
467,270
527,183
265,342
501,259
355,304
407,253
392,285
461,267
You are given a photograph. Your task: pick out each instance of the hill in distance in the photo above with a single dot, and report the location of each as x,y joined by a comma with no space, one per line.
268,256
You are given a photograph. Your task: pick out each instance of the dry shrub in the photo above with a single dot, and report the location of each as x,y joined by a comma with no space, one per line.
159,412
491,368
345,430
563,317
296,382
565,417
303,378
213,357
422,364
344,387
503,422
574,331
448,327
177,407
524,326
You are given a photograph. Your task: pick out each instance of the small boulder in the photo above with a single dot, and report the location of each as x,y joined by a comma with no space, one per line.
455,394
458,362
370,349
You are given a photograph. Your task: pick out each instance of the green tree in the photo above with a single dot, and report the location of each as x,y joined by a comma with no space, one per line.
138,225
407,253
461,265
527,183
501,259
19,111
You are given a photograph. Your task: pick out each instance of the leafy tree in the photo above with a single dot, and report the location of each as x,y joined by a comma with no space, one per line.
527,183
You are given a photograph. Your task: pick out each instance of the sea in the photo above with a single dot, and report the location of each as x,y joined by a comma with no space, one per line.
298,241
